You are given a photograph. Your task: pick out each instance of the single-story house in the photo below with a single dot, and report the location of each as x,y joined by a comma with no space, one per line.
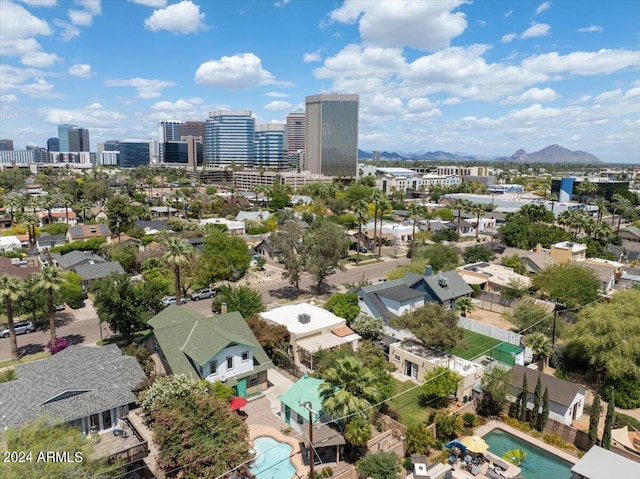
311,329
265,248
84,386
57,215
444,287
599,463
75,258
305,391
216,348
630,233
492,278
566,399
20,268
85,232
234,228
256,216
47,241
607,272
9,243
162,211
413,359
534,261
96,271
152,226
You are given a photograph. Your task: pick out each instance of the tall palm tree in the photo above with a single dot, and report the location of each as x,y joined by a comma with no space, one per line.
622,205
553,198
31,221
360,209
541,346
377,197
10,290
601,203
83,206
465,305
415,212
383,206
477,209
50,279
177,254
460,205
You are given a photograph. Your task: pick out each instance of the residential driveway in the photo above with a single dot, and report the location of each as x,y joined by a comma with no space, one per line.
266,409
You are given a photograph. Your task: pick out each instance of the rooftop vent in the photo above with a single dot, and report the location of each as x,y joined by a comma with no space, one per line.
443,282
304,318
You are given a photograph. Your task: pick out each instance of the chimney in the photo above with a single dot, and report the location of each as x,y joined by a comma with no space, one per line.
538,248
428,270
223,308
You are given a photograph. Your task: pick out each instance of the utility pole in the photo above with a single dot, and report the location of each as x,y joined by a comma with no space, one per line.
307,406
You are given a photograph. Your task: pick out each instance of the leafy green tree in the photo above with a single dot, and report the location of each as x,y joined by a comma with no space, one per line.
50,279
448,426
41,436
477,253
368,327
92,244
440,385
543,417
537,398
530,317
514,289
178,253
440,257
124,253
594,420
223,258
357,432
515,263
274,339
609,419
288,242
465,305
419,439
71,290
10,291
519,232
379,465
247,301
568,283
495,384
432,324
324,245
120,213
344,305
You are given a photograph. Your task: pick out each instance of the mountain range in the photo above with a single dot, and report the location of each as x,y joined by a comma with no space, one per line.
549,154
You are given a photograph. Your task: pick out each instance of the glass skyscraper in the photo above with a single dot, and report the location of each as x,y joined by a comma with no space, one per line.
63,136
230,138
332,134
269,146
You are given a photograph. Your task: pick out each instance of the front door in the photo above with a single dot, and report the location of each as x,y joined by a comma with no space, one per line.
242,388
287,414
411,369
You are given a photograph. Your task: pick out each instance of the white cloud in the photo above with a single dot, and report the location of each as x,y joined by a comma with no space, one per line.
278,105
146,88
400,23
312,57
39,59
276,94
81,18
418,105
183,17
40,3
607,96
177,106
17,23
281,3
80,70
542,7
40,88
92,6
583,63
9,98
508,13
536,30
482,23
508,37
151,3
93,115
454,100
238,72
534,95
590,29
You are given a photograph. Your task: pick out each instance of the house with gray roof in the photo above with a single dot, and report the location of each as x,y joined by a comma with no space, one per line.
216,348
533,261
96,271
71,260
47,241
88,387
630,233
566,399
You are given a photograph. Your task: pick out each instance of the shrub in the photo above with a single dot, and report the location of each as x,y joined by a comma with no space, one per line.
623,420
555,440
7,375
470,420
141,354
326,472
58,345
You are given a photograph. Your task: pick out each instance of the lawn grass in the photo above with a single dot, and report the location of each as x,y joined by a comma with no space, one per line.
25,359
407,404
478,344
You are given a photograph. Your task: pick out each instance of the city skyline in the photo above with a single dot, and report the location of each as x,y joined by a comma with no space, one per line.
483,78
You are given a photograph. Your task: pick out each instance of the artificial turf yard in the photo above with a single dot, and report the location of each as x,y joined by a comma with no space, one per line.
478,345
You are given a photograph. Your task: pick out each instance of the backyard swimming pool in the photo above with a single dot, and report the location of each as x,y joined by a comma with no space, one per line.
539,463
272,459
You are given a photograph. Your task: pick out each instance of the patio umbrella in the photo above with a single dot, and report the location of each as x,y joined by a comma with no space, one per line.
475,444
456,444
237,403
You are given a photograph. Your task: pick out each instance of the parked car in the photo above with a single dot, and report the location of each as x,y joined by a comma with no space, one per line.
21,327
167,300
59,307
203,293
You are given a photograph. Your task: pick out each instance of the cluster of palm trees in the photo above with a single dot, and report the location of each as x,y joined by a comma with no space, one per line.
467,206
50,279
578,220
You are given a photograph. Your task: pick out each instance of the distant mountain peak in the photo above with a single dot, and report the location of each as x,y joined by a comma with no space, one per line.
553,154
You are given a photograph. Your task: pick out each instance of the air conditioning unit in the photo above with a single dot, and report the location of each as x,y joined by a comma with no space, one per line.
304,318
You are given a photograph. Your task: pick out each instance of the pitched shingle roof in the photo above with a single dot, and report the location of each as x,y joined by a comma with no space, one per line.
74,258
445,286
560,391
89,231
101,377
90,272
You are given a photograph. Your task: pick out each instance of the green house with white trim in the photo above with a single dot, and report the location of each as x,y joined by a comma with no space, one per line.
306,390
216,348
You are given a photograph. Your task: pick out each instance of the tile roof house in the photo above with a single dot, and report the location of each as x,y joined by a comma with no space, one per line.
85,232
566,399
90,387
215,348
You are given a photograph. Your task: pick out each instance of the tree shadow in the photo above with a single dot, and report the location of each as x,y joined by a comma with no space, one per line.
287,292
31,348
74,339
61,319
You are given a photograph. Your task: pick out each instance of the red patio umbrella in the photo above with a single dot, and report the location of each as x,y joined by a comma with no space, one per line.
237,403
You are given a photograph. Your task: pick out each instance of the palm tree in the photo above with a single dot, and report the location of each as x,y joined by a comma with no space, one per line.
178,253
47,203
622,205
383,206
415,212
50,279
360,209
377,197
10,287
460,205
541,346
477,209
465,305
602,230
66,199
601,203
83,206
31,221
553,198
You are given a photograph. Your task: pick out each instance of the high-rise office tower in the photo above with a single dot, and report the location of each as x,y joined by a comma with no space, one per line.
229,137
6,145
193,128
63,136
78,139
269,146
331,136
133,152
167,131
295,131
53,144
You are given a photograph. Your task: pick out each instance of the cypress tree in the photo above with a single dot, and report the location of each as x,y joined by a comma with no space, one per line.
525,396
537,397
542,418
594,419
608,422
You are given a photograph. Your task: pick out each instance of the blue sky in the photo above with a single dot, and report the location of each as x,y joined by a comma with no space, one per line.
482,77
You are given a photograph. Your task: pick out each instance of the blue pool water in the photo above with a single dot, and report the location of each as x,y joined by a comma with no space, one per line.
272,459
539,463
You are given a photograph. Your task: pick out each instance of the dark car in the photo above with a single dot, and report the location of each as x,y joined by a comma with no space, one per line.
21,327
203,293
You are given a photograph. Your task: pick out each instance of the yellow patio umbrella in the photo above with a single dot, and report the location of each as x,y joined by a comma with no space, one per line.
475,444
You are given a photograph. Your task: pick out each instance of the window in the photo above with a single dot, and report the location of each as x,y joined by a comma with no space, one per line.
299,419
230,362
245,356
396,357
213,367
253,379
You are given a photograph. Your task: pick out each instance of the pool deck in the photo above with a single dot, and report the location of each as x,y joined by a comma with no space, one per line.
259,430
491,425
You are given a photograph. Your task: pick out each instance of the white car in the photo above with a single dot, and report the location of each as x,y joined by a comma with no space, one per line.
167,300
